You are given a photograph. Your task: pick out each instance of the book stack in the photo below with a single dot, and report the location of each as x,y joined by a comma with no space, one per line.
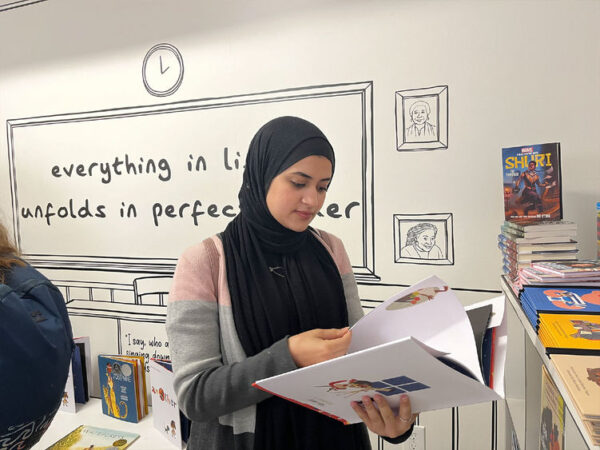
524,244
581,376
123,387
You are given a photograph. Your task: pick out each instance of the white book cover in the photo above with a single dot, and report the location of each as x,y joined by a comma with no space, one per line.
165,408
68,400
395,350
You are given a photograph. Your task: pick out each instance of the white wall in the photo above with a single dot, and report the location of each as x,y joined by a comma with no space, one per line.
516,73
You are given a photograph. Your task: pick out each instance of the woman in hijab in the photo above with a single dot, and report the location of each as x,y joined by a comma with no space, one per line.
266,296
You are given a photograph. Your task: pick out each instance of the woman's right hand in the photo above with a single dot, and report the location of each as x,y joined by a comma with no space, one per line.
318,345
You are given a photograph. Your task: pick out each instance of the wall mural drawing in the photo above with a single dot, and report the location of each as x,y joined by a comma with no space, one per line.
127,189
422,119
423,239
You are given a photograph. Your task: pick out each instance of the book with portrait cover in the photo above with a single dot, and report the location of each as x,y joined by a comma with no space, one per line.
122,390
570,333
581,376
442,364
552,417
532,183
86,437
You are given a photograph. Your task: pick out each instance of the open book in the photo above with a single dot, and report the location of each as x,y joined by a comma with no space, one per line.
419,342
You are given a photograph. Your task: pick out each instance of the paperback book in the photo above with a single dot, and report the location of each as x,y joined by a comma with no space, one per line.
168,419
552,417
123,387
574,269
558,300
581,376
553,226
532,183
79,381
86,437
570,333
440,365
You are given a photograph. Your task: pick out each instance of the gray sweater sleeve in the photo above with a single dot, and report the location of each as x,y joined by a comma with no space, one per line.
206,388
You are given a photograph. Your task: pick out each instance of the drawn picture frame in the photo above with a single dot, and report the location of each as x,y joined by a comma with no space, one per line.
422,118
414,232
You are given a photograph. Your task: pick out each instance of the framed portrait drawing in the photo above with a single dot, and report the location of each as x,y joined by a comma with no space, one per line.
422,119
424,239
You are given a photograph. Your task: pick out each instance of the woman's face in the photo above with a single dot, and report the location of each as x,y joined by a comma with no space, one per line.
296,195
426,240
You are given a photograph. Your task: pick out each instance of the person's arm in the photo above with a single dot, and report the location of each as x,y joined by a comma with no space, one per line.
208,387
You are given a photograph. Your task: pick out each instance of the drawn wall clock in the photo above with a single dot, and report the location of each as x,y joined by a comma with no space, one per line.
162,70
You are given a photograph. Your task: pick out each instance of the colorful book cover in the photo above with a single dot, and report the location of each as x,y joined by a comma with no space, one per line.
166,415
552,418
118,388
580,268
562,299
581,376
532,183
570,333
86,437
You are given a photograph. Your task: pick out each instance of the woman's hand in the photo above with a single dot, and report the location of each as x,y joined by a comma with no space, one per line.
318,345
382,421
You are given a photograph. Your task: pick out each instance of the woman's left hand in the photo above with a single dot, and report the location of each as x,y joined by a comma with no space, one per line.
381,419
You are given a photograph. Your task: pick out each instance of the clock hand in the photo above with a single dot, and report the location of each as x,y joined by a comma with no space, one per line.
161,65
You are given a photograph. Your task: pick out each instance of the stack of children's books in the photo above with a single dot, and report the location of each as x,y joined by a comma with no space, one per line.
562,303
533,229
524,245
123,387
581,377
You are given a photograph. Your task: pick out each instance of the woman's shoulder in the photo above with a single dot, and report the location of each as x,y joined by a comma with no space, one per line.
18,274
336,248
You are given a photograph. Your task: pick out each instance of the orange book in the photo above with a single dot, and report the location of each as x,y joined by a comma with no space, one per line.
570,333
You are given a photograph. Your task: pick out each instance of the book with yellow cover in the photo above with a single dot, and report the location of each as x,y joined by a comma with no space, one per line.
570,333
552,417
87,437
581,375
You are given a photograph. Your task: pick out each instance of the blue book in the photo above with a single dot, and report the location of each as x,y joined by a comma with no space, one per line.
563,299
78,377
119,387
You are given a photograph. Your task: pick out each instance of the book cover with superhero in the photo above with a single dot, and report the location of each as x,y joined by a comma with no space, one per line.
118,388
532,183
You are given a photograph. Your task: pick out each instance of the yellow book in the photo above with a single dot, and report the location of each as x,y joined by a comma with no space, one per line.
570,333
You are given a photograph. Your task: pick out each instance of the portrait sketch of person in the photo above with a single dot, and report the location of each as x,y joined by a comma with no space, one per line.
420,242
424,239
421,129
422,118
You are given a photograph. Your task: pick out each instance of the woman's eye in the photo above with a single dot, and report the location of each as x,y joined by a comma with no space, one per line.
323,189
298,185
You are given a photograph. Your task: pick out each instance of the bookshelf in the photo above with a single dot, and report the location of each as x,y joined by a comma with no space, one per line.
524,359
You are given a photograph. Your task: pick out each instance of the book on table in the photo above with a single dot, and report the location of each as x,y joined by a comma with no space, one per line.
123,386
426,349
86,437
168,419
554,226
79,380
532,183
505,242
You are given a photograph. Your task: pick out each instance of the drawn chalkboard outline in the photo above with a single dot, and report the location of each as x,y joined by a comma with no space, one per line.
407,224
153,79
418,134
364,269
5,6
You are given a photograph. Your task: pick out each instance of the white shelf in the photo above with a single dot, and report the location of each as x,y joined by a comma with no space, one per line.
541,351
91,414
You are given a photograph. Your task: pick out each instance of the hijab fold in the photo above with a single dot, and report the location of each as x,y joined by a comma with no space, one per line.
283,282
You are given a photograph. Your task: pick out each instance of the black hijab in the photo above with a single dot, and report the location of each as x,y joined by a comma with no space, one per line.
283,282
